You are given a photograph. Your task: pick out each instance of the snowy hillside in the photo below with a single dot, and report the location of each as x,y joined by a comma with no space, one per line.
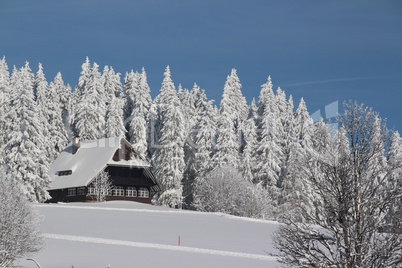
128,234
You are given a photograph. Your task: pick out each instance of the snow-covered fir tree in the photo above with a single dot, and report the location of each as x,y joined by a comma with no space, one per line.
138,104
61,95
250,140
269,151
130,90
233,103
200,138
204,140
163,100
24,153
226,151
40,86
265,100
232,113
4,97
187,100
112,86
292,183
90,111
41,96
153,129
169,156
395,164
114,126
58,98
84,78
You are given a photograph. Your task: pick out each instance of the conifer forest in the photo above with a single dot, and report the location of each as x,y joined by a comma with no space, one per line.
265,160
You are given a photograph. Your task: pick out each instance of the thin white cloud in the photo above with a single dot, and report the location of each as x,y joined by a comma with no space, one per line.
338,80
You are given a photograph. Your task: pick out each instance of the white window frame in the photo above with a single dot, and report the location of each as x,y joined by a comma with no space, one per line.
118,191
131,192
91,190
143,192
71,192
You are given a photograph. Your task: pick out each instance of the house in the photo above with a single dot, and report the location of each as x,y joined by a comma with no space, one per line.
74,171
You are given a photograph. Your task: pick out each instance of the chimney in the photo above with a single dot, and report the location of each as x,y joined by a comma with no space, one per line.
76,144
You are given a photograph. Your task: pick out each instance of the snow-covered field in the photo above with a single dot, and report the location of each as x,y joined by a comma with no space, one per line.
128,234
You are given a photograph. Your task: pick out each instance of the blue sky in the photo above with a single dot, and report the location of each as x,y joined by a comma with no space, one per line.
324,51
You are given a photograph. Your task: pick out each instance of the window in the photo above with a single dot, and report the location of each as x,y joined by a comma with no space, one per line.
118,191
81,191
91,190
143,192
131,192
71,192
64,172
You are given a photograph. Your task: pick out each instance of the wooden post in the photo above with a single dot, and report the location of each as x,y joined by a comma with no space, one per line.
178,241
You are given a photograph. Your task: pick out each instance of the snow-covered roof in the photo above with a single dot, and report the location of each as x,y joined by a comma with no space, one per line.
92,157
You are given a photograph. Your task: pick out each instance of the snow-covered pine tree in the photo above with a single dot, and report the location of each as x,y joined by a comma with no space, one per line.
84,78
60,94
197,112
147,106
187,100
233,103
114,118
140,101
265,100
145,93
41,96
250,138
321,137
153,132
4,97
285,115
58,98
269,152
40,86
160,106
232,113
112,86
395,182
226,151
77,94
293,186
90,110
24,153
138,133
130,89
303,125
169,156
286,130
204,139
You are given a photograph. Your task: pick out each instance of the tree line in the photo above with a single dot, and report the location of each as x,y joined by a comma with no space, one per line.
338,192
181,131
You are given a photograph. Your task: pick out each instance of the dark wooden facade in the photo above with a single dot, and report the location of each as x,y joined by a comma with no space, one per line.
63,196
122,177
